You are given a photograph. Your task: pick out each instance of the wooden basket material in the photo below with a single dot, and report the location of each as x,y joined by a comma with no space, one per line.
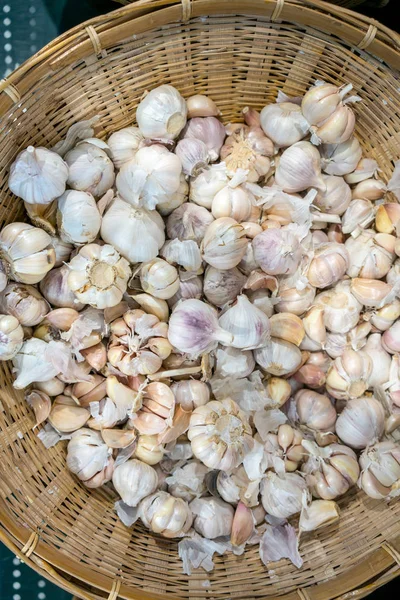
241,54
345,3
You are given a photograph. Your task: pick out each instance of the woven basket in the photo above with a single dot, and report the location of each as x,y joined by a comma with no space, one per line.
240,54
345,3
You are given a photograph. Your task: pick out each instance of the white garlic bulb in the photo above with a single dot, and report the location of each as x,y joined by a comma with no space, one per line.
78,217
322,100
32,363
233,362
134,480
189,222
11,337
28,252
341,308
159,278
222,287
88,455
336,198
361,423
247,149
208,130
224,243
247,323
277,251
137,234
190,393
90,169
162,513
370,254
281,495
175,200
278,357
38,175
220,434
56,290
212,517
299,168
194,328
284,123
25,303
193,154
234,202
151,177
341,159
328,265
380,470
98,276
162,113
124,144
205,186
315,411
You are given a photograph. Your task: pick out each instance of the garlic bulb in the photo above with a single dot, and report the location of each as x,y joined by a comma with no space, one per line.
98,276
380,470
162,113
249,149
124,144
277,251
315,411
299,168
295,301
361,423
341,308
370,292
191,287
11,337
342,158
137,234
56,290
233,362
28,252
89,169
234,202
224,243
233,487
32,363
359,214
134,480
281,495
370,254
190,393
151,177
225,440
284,123
336,198
318,514
205,186
284,445
380,360
247,323
222,287
159,278
66,416
391,339
89,457
278,357
38,175
208,130
78,217
189,222
201,106
175,200
212,517
322,100
348,377
162,513
330,471
25,303
157,409
328,265
193,155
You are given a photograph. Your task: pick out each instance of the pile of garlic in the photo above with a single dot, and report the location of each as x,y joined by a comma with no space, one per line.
210,316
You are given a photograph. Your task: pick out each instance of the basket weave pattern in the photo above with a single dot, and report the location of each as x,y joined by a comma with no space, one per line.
240,54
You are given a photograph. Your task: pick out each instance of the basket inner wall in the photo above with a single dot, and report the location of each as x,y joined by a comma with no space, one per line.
238,61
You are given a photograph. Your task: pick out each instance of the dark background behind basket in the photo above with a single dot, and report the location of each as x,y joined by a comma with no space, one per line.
25,27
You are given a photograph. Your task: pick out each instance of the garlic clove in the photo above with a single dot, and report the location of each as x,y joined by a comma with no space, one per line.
387,217
40,403
370,292
319,513
149,450
278,357
152,305
66,416
369,189
159,278
201,106
180,424
52,387
96,356
242,525
342,158
62,318
88,391
372,487
89,168
118,438
315,410
286,326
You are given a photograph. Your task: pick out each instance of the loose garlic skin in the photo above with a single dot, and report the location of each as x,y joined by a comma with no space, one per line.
284,123
134,480
299,168
224,243
281,496
28,252
11,337
220,434
315,411
336,198
78,217
380,469
98,276
162,113
159,278
348,377
25,303
124,144
328,265
190,393
233,362
278,357
212,517
361,423
277,251
162,513
89,169
370,254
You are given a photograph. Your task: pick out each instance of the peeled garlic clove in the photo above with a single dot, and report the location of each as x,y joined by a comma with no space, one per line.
124,144
118,438
299,168
38,175
190,393
134,480
66,416
161,114
89,169
315,410
278,357
78,217
247,323
361,423
25,303
153,306
201,106
54,287
342,158
370,292
159,278
288,327
277,251
52,387
96,356
319,513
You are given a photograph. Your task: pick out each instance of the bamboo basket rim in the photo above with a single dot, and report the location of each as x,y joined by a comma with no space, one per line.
95,36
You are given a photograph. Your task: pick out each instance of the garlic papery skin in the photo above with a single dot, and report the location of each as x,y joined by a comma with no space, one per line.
249,149
162,113
210,131
89,169
27,251
222,287
391,338
370,254
337,128
201,106
233,362
380,469
319,513
78,217
38,175
191,393
348,376
358,215
189,222
124,144
220,434
234,202
212,517
43,215
137,234
207,184
284,123
384,317
25,303
281,495
56,290
11,337
31,363
315,411
328,265
277,251
159,278
341,308
369,189
262,300
336,198
162,513
393,274
247,323
295,301
187,482
341,159
88,455
134,480
299,168
361,423
193,155
98,276
224,243
330,471
380,359
278,357
370,292
152,176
